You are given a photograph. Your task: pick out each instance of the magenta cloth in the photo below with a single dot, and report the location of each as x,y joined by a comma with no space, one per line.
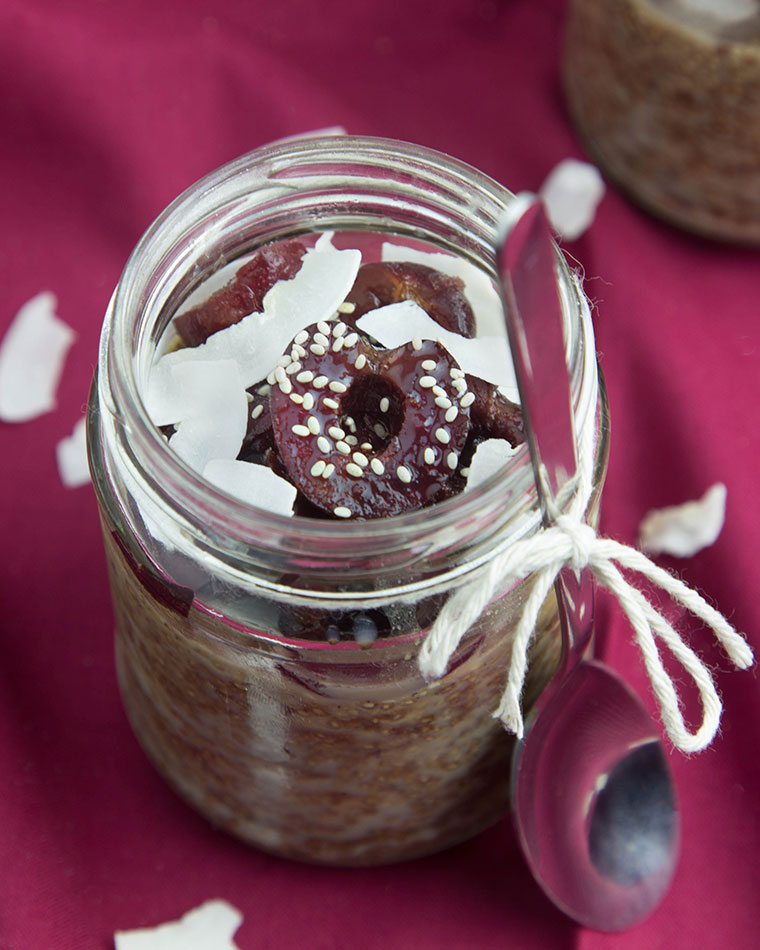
110,110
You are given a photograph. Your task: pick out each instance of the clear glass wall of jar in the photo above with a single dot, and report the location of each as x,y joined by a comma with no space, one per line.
330,752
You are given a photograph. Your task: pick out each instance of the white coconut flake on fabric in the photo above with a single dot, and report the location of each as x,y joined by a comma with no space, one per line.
211,926
490,457
258,340
71,455
478,288
683,530
32,356
254,484
571,194
487,357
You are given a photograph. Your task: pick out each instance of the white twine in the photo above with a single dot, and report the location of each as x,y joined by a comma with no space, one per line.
569,541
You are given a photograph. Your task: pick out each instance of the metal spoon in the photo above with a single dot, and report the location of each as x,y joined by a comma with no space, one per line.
593,797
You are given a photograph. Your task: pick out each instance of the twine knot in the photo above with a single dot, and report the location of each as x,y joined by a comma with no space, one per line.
570,541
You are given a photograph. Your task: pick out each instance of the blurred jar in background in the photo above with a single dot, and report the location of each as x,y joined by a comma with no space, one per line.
665,95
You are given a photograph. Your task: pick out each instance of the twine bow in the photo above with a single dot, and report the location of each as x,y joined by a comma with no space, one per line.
570,541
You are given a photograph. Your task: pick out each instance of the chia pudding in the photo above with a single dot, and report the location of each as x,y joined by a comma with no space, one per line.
266,644
666,97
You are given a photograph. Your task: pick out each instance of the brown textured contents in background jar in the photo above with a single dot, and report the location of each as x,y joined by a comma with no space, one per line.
667,102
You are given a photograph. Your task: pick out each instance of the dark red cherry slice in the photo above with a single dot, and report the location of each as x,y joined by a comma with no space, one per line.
367,433
440,296
242,295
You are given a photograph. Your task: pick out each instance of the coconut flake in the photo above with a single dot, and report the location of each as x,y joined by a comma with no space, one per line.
482,295
258,340
32,354
487,357
682,530
571,194
256,485
728,11
214,421
208,927
490,457
71,455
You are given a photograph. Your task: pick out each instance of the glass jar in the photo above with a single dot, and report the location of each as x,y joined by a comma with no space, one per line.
319,748
666,97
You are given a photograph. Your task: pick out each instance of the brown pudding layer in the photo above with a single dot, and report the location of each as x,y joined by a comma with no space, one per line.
666,98
326,753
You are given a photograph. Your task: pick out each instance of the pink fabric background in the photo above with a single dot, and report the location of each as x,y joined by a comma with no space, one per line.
107,112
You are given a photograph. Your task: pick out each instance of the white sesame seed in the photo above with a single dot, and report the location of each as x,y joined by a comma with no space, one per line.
367,446
270,380
429,455
301,337
300,430
313,425
305,376
283,361
330,403
361,459
286,387
460,385
416,343
264,390
318,467
439,391
249,396
353,469
299,350
339,329
350,424
404,474
308,401
351,340
467,400
451,414
427,382
346,307
317,349
456,373
452,460
443,402
324,445
337,386
443,435
338,345
296,398
361,361
279,374
336,432
342,512
380,430
385,404
294,367
343,447
257,410
323,327
428,365
465,473
377,466
320,382
321,340
352,440
329,470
